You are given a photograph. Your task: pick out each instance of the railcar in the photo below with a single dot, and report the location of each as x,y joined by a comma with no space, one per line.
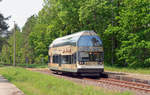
79,53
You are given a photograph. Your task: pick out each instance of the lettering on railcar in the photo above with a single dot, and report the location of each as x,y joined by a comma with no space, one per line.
64,50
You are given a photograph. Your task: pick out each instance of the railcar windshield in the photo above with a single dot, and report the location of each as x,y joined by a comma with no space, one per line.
89,41
91,56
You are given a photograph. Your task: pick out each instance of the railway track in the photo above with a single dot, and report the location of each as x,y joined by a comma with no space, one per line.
130,85
104,82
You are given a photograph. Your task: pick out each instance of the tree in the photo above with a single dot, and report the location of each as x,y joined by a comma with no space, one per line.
59,18
3,30
123,26
28,51
8,49
133,33
3,25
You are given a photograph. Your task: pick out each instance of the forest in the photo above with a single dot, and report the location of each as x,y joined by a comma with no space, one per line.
123,26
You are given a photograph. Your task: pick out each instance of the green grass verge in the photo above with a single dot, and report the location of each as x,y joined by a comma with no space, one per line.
33,65
27,65
1,65
128,70
34,83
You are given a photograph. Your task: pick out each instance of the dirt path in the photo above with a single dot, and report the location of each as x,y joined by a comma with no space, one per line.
6,88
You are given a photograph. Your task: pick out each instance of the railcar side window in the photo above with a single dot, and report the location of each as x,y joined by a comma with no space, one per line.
56,59
73,59
68,41
66,59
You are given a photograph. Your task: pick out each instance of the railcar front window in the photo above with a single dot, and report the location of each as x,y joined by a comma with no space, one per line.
84,56
91,56
95,57
89,41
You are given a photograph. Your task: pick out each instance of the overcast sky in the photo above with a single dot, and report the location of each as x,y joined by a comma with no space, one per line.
20,10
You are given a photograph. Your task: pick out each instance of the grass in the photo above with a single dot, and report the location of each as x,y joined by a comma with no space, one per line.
1,65
27,65
34,83
33,65
128,70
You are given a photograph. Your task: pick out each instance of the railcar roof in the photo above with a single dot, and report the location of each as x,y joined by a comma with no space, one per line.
73,37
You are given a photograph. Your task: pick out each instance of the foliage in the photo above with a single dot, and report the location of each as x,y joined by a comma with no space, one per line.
3,25
59,18
132,32
123,26
28,51
7,50
4,33
35,83
3,30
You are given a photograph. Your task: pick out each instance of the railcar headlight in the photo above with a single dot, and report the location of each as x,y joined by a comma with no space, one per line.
81,63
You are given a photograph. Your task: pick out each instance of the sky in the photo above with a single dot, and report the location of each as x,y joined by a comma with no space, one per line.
19,10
